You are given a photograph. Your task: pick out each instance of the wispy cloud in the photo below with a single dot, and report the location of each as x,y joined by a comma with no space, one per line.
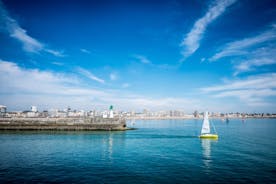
250,65
57,63
51,89
58,90
252,82
55,52
90,75
240,47
249,54
125,85
191,42
252,89
22,80
29,43
142,59
85,51
113,76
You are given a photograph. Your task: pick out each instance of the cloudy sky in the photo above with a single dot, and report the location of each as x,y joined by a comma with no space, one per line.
217,55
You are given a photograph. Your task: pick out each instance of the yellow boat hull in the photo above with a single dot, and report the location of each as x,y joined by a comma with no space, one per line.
208,136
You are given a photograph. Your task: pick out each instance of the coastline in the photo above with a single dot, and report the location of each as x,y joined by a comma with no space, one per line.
90,124
190,118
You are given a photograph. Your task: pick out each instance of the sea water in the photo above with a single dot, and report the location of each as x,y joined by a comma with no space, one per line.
158,151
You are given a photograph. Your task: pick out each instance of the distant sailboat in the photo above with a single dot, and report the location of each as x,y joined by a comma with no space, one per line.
206,131
132,122
227,120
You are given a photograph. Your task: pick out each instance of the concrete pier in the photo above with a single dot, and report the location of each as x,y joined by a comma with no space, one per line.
78,124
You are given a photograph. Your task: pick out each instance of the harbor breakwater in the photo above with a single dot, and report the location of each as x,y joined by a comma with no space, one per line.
70,124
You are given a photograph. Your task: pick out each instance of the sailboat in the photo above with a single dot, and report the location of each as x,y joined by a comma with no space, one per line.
206,131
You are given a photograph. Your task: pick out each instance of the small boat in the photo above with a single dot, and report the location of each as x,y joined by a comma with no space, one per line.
206,131
227,120
132,122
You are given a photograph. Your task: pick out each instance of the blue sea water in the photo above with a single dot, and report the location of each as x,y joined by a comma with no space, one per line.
158,151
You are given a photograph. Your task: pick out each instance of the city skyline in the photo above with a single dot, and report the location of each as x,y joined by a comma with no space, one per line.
214,55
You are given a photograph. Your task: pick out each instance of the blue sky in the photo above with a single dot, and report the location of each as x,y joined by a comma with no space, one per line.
217,55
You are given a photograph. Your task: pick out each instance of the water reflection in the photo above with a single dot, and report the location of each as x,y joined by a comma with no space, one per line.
110,146
110,141
227,120
107,145
206,145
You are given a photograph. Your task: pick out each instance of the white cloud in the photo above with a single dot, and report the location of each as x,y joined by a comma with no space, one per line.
32,80
44,88
255,59
139,102
29,43
250,65
55,52
48,89
251,53
252,89
57,63
191,41
252,97
142,59
247,93
253,82
240,47
90,75
113,76
85,51
125,85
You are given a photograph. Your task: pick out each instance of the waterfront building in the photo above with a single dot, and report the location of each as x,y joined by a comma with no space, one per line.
3,110
34,109
104,113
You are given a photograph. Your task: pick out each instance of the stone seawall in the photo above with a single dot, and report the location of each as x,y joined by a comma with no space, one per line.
81,123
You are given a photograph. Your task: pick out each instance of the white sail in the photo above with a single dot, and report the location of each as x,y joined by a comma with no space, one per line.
206,125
